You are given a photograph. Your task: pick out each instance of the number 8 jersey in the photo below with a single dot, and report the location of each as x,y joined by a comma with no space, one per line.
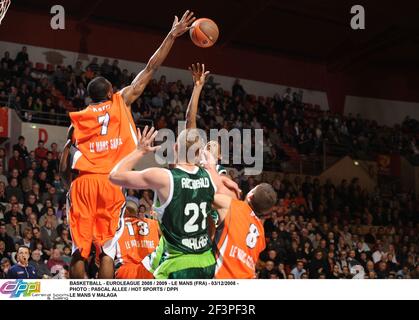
104,133
239,240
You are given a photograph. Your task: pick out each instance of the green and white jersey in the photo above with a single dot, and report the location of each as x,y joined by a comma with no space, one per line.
183,218
220,169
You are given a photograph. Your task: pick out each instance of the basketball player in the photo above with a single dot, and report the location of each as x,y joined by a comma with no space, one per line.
140,238
240,237
183,198
199,76
103,134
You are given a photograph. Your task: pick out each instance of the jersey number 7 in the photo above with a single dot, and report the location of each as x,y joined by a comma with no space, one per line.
104,120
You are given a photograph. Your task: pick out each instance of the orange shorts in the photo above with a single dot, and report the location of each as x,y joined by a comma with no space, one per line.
133,271
95,213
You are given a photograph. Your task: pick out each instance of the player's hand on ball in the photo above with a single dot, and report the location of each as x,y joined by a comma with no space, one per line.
180,27
146,139
199,74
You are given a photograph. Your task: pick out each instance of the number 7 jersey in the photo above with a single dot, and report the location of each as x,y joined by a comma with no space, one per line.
104,133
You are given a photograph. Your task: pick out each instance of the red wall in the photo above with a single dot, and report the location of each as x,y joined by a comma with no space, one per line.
138,45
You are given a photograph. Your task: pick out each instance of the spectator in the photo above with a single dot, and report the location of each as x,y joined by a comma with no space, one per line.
298,270
41,269
3,253
31,202
3,178
237,89
63,240
6,238
3,161
146,200
7,60
94,66
28,181
41,151
20,146
48,235
5,265
52,195
27,239
317,266
16,162
14,229
22,57
378,254
31,222
267,270
22,270
55,263
14,212
50,217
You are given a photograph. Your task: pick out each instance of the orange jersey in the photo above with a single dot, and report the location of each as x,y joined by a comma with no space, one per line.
139,239
239,240
104,133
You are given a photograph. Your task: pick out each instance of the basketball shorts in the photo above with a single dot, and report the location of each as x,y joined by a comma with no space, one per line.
96,208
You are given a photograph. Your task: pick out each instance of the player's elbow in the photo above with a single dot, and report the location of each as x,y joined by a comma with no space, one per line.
115,178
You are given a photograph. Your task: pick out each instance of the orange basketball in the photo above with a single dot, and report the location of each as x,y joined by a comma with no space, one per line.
204,32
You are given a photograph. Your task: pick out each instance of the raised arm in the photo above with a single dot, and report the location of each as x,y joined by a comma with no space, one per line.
153,178
136,88
198,75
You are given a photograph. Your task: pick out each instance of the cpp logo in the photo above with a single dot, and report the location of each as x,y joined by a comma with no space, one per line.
20,287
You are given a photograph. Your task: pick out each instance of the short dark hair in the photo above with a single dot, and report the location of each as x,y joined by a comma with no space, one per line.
21,138
264,198
24,247
98,89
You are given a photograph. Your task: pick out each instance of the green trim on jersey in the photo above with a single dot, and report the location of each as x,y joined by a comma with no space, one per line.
220,169
178,265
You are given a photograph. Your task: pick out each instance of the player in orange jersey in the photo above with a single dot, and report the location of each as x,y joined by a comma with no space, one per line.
140,238
103,134
240,236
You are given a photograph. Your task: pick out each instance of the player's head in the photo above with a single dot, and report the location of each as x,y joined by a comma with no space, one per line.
262,198
131,209
188,146
100,89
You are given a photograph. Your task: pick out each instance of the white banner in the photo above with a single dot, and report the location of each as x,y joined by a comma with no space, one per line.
33,132
208,289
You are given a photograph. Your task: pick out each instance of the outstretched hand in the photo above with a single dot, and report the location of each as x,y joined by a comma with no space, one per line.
199,74
180,27
146,139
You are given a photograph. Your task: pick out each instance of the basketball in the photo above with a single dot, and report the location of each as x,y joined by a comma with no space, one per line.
204,33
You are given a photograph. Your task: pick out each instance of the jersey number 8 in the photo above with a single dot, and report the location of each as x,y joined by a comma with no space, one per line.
252,236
